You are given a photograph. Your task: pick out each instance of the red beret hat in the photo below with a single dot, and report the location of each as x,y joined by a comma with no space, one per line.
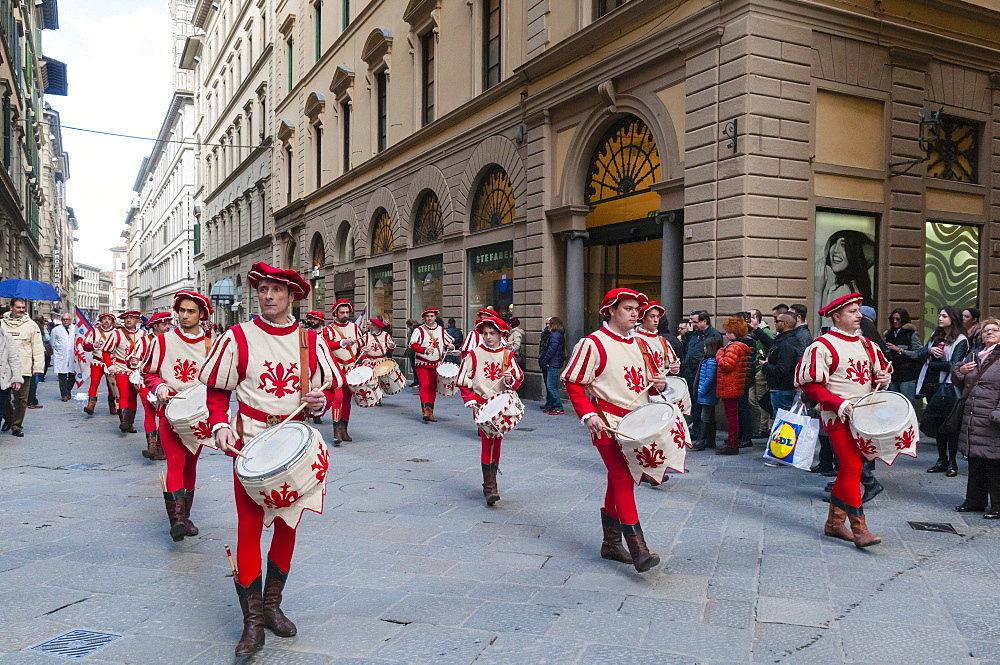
430,310
131,312
156,318
107,314
297,286
342,301
202,301
842,301
316,315
377,322
497,322
614,296
649,307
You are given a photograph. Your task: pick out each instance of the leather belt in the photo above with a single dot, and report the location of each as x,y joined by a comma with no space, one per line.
269,419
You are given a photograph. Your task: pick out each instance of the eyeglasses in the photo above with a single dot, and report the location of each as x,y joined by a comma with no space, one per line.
991,330
895,318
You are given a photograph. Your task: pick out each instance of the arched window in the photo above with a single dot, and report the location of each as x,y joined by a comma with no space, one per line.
318,251
626,162
381,233
429,223
345,243
291,256
493,204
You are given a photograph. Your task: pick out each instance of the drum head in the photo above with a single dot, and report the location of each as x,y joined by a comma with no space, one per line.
360,375
645,423
676,389
448,370
266,457
193,402
890,412
385,367
493,407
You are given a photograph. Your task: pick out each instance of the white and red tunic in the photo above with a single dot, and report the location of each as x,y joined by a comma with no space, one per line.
123,350
480,374
94,342
174,360
261,363
335,334
378,347
661,352
429,345
838,367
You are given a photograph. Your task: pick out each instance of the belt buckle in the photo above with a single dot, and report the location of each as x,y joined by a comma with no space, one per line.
272,420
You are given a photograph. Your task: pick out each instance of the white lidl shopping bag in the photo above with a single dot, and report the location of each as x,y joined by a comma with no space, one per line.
793,437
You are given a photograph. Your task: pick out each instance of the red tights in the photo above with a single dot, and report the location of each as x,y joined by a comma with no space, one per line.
149,411
250,525
342,400
428,383
126,392
182,469
619,499
96,376
732,407
847,486
491,448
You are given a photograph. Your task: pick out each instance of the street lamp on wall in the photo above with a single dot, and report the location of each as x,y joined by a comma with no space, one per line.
928,126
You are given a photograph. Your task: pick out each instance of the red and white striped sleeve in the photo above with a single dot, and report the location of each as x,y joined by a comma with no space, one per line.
221,367
814,365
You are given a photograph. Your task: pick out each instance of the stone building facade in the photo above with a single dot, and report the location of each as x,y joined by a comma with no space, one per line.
57,221
529,155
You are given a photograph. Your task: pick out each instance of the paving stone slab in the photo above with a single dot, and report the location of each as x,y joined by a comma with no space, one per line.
514,617
910,645
420,643
794,611
797,645
437,610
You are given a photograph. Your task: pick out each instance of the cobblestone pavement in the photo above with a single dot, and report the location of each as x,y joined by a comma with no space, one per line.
408,565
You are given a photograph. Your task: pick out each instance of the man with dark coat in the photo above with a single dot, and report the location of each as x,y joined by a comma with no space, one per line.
779,366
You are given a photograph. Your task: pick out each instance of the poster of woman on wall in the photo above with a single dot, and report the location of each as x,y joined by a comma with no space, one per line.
845,256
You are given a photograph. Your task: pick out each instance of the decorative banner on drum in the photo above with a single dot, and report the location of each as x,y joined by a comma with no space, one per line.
793,438
83,327
884,425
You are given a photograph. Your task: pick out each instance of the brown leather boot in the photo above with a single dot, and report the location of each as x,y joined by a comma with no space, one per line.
274,618
191,529
175,513
611,547
642,558
490,490
835,524
153,449
862,536
425,411
91,405
252,604
344,436
430,414
127,417
112,406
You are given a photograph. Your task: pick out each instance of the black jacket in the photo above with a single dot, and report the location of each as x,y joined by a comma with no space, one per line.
805,337
904,368
779,370
694,351
554,350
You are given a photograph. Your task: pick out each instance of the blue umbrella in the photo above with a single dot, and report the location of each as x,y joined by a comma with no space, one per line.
29,289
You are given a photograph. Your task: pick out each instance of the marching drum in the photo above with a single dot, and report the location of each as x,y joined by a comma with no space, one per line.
389,377
447,379
283,467
365,386
187,413
885,425
677,393
500,414
654,438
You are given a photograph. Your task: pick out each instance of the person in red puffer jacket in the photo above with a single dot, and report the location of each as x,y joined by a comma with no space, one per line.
731,380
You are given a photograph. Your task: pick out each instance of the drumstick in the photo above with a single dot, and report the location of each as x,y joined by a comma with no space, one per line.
163,482
641,393
858,406
293,413
617,433
232,564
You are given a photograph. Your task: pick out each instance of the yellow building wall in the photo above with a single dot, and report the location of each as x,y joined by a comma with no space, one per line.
849,131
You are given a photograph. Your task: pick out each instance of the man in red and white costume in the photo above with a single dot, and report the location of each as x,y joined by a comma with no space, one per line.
473,339
315,320
173,363
486,371
613,364
122,356
376,344
662,353
261,361
94,343
156,325
343,337
839,367
429,342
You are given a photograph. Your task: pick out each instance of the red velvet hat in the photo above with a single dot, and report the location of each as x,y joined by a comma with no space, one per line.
342,301
649,307
298,287
499,323
107,314
377,322
430,310
131,312
486,312
842,301
320,316
614,296
156,318
202,301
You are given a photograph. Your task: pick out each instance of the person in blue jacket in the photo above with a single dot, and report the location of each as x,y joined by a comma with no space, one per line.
707,372
552,362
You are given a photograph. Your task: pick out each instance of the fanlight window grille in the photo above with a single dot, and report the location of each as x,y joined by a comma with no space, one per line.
382,233
493,204
626,162
429,224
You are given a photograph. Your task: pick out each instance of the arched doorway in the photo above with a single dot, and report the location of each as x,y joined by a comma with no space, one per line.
624,247
317,276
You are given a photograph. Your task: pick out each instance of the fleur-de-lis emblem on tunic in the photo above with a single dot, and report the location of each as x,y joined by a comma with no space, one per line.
859,372
657,358
678,433
492,371
282,381
634,379
282,499
185,370
906,440
202,430
649,456
322,464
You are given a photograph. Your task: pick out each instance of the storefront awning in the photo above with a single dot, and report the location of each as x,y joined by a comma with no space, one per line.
223,290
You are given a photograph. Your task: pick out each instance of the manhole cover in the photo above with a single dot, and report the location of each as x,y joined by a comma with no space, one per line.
75,644
81,467
370,486
941,527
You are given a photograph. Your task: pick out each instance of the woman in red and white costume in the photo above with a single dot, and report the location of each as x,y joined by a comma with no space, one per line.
343,336
94,343
376,344
155,325
261,362
486,371
836,369
613,364
429,342
175,358
121,357
473,339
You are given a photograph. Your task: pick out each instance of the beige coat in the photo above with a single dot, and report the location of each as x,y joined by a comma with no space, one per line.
10,361
28,339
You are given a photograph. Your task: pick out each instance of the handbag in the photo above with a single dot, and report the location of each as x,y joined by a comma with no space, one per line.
942,401
953,422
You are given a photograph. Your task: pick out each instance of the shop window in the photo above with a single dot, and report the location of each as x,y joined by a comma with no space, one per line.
955,155
493,204
426,284
951,269
380,293
490,279
625,164
382,233
429,223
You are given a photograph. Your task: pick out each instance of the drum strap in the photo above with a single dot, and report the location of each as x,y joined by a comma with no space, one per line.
644,350
304,361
